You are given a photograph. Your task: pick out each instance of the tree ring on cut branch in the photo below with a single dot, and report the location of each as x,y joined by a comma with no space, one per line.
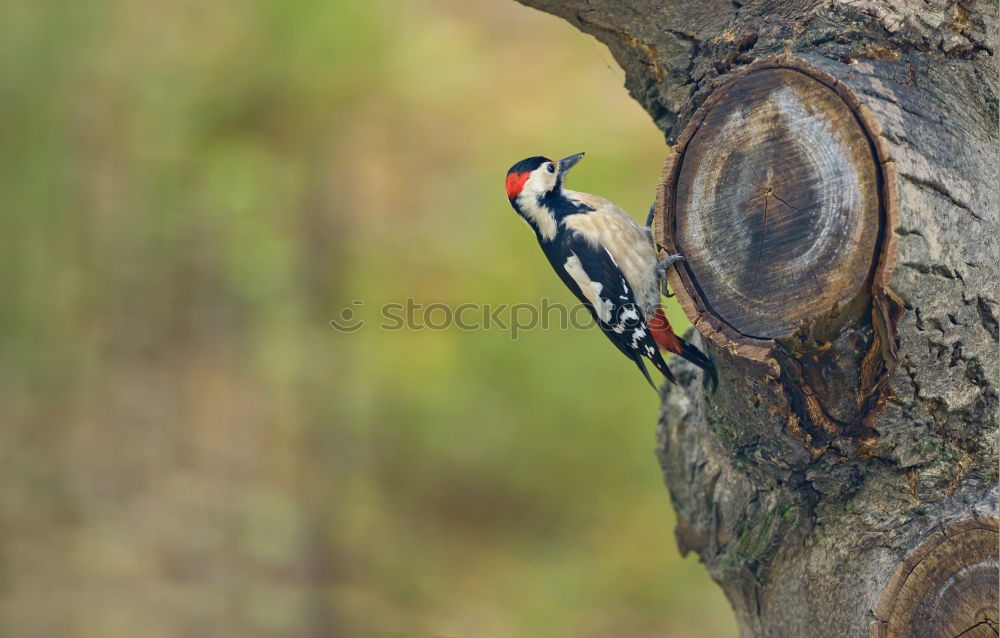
945,587
775,194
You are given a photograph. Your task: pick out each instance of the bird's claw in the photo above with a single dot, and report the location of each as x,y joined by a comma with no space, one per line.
661,269
668,262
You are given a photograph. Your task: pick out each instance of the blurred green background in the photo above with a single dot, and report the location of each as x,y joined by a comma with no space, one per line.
190,192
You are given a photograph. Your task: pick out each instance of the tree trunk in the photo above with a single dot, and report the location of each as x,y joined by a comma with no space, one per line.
833,185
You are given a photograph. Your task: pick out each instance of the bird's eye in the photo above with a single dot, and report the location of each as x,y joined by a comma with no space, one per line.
551,168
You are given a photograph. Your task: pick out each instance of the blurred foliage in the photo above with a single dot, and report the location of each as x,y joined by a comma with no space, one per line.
191,192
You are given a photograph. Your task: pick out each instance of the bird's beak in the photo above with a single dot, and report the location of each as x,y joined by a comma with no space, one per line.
567,163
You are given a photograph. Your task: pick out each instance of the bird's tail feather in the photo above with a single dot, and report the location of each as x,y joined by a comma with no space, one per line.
663,334
697,357
645,372
660,365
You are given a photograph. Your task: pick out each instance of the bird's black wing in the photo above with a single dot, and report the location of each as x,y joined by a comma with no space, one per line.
591,273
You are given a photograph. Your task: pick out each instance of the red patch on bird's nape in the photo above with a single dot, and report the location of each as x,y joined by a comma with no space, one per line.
515,182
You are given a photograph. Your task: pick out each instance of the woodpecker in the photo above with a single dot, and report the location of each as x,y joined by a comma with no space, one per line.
605,258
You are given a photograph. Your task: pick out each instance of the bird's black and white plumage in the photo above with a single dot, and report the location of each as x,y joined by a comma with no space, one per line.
607,260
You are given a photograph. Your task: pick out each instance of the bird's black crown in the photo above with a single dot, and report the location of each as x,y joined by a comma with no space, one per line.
528,165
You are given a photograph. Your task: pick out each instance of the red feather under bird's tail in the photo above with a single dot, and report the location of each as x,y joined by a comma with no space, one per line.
663,335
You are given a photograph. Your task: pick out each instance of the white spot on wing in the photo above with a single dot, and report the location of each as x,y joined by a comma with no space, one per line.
590,289
629,314
638,334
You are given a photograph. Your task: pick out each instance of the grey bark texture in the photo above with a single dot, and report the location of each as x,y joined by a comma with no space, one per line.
881,521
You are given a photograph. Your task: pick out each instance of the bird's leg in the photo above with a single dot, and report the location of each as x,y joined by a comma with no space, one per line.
668,262
661,268
661,271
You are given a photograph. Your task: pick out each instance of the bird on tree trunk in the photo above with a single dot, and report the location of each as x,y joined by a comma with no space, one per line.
605,258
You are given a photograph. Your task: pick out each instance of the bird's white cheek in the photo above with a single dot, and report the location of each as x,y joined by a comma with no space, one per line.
539,183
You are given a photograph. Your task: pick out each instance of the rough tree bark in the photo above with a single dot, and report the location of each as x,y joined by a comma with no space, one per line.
833,183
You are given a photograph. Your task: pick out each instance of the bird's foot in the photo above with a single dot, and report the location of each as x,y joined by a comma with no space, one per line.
652,213
668,262
661,270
